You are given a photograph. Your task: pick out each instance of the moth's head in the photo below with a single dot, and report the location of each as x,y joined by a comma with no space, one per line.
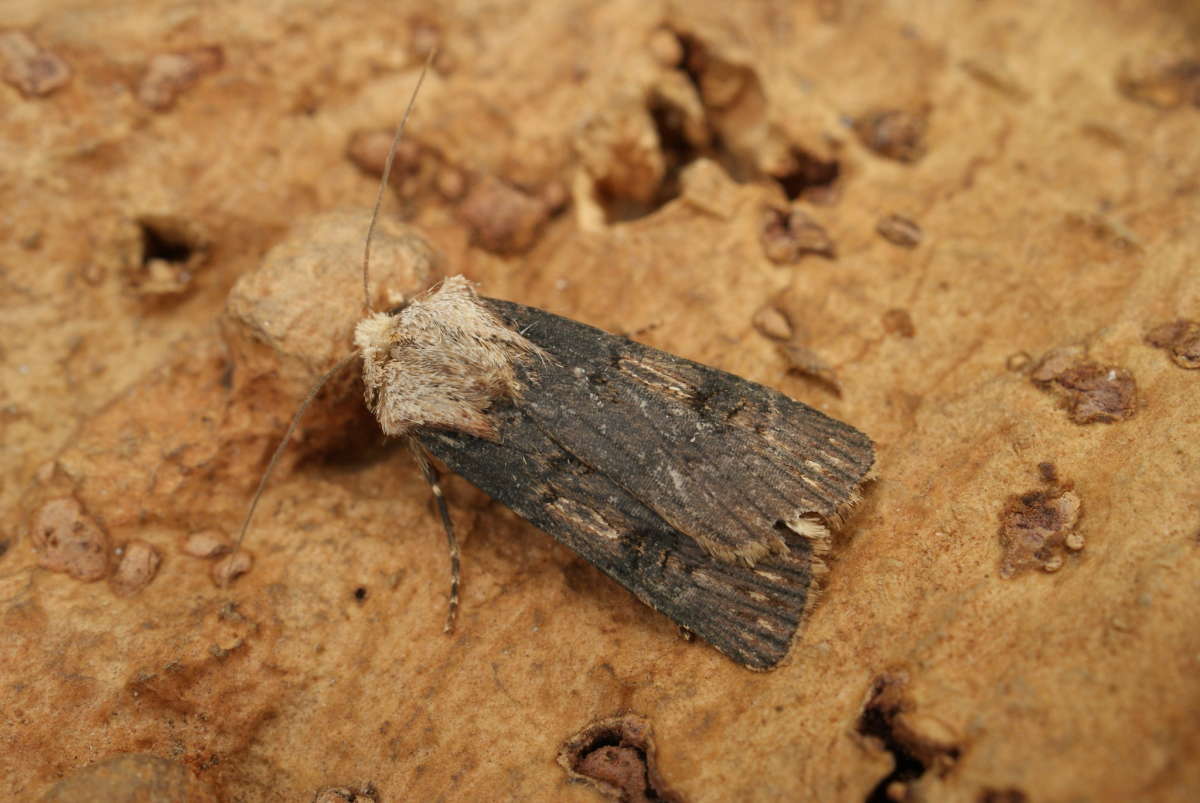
374,337
440,363
374,334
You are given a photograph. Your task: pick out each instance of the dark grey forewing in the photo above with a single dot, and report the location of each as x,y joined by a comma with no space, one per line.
721,459
635,458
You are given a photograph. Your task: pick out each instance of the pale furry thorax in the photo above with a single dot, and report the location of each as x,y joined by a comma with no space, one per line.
440,363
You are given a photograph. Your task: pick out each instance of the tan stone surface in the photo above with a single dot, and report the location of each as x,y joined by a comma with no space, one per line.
1058,204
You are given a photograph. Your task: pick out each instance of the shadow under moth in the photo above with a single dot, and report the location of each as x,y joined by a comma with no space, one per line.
708,496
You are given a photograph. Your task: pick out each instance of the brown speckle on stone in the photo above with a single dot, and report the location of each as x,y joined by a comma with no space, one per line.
168,75
771,322
45,472
136,569
898,322
414,167
1048,472
1090,392
29,68
829,11
1097,393
70,541
803,360
368,150
502,218
365,793
1161,83
231,567
94,274
206,544
995,75
1054,362
1180,339
554,195
1035,529
424,36
893,133
787,235
229,613
450,183
899,230
1018,362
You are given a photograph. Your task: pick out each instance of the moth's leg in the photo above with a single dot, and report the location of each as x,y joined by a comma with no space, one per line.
431,477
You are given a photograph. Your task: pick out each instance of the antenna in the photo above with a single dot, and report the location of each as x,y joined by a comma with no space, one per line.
387,171
262,482
345,361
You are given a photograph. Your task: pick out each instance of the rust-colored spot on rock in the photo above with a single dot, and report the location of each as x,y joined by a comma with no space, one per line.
1018,362
1180,339
787,235
206,544
168,75
806,362
29,68
365,793
70,541
1090,392
616,756
772,322
898,322
893,133
231,567
368,150
415,166
1037,528
899,230
451,183
136,569
995,75
502,218
1161,83
1048,472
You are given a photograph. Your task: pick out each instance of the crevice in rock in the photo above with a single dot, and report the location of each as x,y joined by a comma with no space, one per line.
616,756
163,242
916,747
808,175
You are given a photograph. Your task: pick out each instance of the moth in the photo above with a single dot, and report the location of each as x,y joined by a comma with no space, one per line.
709,497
